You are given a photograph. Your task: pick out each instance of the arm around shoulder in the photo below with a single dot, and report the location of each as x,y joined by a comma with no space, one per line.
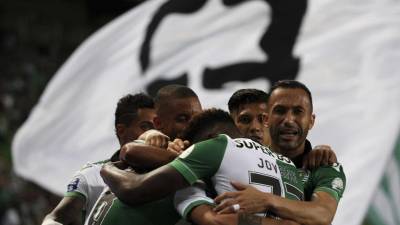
134,189
145,156
205,215
319,211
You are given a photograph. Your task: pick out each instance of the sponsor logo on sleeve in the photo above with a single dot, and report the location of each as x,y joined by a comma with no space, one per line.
73,185
337,184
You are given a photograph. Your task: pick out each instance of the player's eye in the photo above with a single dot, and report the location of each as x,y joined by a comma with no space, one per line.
298,111
260,118
182,118
146,126
279,110
244,119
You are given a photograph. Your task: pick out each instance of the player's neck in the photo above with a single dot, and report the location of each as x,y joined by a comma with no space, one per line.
234,134
294,154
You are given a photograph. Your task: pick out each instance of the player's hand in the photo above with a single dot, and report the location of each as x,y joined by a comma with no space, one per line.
178,145
120,165
321,155
247,199
155,138
288,222
51,222
109,165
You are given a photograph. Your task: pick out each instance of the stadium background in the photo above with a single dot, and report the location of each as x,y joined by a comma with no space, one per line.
35,39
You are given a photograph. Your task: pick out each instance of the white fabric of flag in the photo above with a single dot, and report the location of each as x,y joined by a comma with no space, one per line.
349,53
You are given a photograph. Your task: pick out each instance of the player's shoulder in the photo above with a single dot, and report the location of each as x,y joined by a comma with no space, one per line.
93,165
330,179
88,175
330,172
335,167
87,172
206,147
219,139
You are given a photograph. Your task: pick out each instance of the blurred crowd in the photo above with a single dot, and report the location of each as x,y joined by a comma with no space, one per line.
36,37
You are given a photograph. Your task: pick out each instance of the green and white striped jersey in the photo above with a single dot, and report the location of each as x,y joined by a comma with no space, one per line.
229,163
224,159
328,179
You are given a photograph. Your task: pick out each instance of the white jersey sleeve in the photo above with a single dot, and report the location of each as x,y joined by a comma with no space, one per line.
90,213
88,184
187,199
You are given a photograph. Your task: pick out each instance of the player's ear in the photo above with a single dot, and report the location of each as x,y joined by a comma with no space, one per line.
157,122
120,129
233,115
311,124
265,118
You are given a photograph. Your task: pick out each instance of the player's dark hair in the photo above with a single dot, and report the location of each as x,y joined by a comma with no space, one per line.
246,96
173,91
127,107
292,84
201,125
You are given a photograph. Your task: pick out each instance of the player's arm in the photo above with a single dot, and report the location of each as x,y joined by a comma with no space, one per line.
145,156
68,211
191,166
133,189
205,215
327,185
320,210
193,204
71,208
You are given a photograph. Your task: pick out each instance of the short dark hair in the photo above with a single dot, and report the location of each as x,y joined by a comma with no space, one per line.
207,120
292,84
246,96
173,91
128,106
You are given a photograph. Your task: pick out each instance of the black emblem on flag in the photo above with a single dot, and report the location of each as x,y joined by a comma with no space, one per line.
277,42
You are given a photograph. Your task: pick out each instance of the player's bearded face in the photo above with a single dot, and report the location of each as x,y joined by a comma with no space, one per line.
177,115
288,135
290,118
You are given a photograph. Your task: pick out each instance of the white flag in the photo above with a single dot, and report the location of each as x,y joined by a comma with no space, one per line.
346,52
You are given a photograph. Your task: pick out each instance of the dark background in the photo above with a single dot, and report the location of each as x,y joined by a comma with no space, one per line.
36,37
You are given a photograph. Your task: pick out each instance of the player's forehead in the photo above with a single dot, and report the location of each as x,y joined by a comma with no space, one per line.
146,114
189,106
254,108
289,97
